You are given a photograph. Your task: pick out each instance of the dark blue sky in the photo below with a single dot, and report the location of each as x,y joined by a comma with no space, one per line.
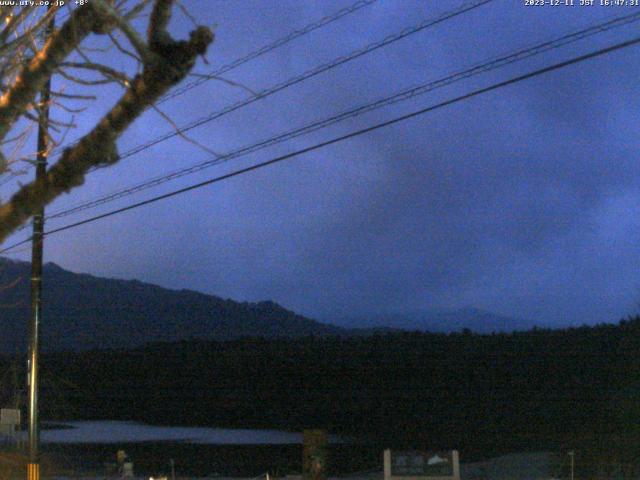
523,201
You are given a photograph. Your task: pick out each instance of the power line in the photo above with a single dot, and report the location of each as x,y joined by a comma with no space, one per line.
478,68
341,138
251,56
466,7
307,75
268,48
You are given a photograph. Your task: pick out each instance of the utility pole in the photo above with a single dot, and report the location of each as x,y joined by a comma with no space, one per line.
17,401
571,454
33,468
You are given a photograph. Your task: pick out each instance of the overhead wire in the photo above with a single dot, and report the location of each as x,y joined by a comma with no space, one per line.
267,92
422,111
406,32
326,20
406,94
430,22
267,48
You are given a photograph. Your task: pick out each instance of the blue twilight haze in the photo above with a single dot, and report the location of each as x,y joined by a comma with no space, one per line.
523,201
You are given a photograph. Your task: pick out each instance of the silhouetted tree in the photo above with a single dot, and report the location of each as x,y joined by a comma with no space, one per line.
26,64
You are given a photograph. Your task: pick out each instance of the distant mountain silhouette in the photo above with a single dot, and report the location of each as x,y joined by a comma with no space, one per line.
470,318
84,312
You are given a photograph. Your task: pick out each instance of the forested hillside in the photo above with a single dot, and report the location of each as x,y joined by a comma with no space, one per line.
482,393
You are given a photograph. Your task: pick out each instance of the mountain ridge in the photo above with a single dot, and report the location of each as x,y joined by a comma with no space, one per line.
83,312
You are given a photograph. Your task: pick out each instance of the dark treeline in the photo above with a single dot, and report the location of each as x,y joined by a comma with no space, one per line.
484,394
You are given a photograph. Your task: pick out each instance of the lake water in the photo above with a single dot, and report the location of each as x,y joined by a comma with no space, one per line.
130,432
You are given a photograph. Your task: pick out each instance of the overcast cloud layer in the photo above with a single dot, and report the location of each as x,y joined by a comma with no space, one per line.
523,201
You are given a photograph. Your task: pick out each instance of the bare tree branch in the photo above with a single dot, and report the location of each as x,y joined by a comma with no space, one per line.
126,28
108,72
182,135
225,80
73,96
83,81
168,62
115,41
30,80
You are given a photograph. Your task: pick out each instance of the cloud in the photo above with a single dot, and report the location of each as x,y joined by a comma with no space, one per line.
521,201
